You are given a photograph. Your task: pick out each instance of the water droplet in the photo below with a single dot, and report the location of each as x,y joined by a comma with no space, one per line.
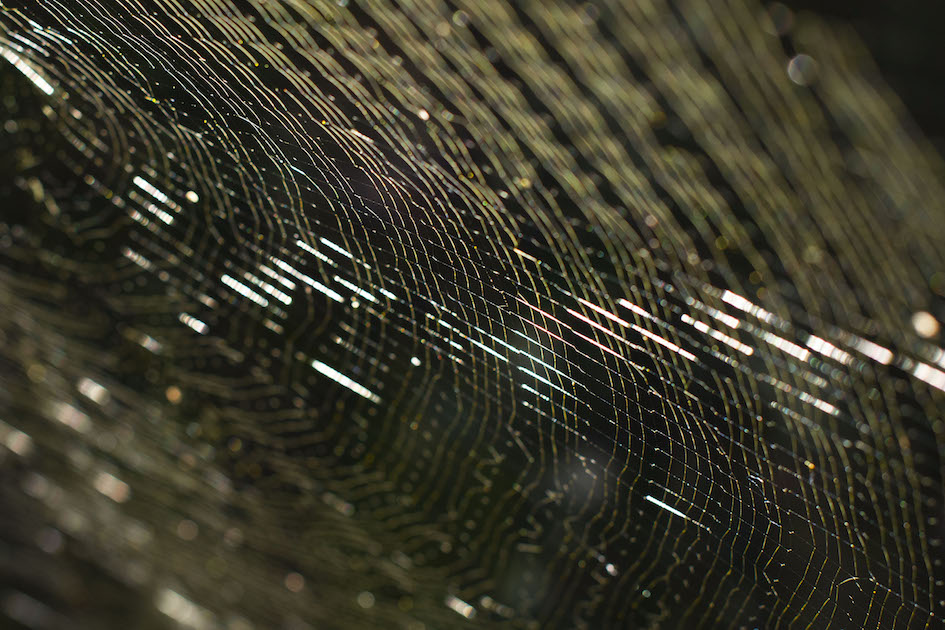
925,324
294,582
801,69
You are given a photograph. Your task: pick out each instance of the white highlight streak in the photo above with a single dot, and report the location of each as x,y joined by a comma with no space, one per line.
743,304
337,248
633,307
194,323
646,333
461,607
874,351
358,290
27,70
672,510
244,290
715,334
183,611
92,390
783,344
315,252
112,487
149,188
318,286
824,347
338,377
543,380
932,376
605,313
275,276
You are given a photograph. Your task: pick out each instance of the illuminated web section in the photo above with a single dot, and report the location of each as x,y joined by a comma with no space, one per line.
434,315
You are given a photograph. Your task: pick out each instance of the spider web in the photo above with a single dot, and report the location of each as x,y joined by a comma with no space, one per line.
427,315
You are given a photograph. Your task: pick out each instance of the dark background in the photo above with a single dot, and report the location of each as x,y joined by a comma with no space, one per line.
907,40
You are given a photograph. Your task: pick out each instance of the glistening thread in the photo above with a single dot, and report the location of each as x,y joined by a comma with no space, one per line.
432,315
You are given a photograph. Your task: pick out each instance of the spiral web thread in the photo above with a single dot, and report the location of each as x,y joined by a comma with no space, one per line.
432,315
